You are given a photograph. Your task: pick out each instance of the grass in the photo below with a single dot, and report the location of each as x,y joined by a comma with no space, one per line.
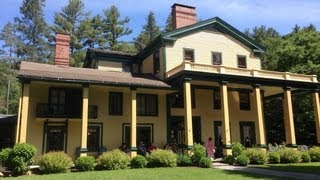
151,173
313,167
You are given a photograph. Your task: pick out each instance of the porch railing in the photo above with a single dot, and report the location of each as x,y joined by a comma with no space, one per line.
241,72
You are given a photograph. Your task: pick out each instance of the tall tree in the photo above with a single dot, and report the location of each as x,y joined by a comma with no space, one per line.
149,32
69,20
92,32
168,26
33,31
115,28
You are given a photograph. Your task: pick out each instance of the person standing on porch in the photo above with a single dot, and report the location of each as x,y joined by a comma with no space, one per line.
210,148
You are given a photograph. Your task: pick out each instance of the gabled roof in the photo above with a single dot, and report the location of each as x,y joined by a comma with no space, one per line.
47,72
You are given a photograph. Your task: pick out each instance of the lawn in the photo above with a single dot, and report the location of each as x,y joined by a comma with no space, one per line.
155,173
313,167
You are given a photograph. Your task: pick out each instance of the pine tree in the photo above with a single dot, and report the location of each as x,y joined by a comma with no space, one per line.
11,42
149,32
92,32
33,31
168,26
115,28
69,20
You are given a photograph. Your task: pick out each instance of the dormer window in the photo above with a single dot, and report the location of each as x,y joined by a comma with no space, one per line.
216,58
188,55
242,61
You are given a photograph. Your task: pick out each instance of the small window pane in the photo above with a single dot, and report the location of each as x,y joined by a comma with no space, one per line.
189,55
216,99
115,103
244,98
147,105
242,62
94,138
216,58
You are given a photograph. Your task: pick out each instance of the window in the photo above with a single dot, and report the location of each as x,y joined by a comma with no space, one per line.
247,134
193,98
242,61
188,55
177,100
147,105
115,103
93,112
244,98
216,58
156,62
216,99
144,133
55,137
94,137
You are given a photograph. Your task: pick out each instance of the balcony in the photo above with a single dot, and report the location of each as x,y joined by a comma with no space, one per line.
45,110
189,66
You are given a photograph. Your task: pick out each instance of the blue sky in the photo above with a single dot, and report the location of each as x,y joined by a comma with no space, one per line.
279,14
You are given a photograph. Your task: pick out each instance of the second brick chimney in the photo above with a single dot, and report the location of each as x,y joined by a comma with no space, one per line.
62,50
182,15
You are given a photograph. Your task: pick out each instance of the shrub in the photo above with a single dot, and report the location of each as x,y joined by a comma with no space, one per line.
205,162
113,160
242,160
85,163
289,156
230,159
274,157
138,162
20,157
162,158
305,157
314,154
183,160
256,156
55,162
237,149
198,152
4,156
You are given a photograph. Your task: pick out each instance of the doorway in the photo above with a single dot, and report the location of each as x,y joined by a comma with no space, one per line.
247,133
217,125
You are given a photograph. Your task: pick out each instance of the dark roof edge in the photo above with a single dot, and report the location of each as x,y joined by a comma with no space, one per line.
177,4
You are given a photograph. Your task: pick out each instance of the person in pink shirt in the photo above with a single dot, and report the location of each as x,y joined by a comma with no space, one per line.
210,148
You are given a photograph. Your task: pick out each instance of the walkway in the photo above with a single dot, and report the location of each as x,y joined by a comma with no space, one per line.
253,170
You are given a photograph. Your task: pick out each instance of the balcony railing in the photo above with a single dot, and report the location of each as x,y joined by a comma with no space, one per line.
53,111
241,72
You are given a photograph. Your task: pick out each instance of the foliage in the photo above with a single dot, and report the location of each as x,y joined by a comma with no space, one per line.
184,160
314,153
256,155
92,31
113,160
205,162
4,156
305,157
138,162
86,163
168,26
242,160
55,162
198,152
289,156
237,149
162,158
273,157
19,158
229,159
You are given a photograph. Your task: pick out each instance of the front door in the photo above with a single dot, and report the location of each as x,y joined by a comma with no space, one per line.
247,134
218,139
55,138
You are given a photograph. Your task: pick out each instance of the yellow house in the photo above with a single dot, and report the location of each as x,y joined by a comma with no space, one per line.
202,79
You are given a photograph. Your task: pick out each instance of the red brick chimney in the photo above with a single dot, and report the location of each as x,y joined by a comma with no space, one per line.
182,15
62,50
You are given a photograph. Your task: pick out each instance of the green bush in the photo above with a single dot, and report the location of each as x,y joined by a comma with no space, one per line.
242,160
305,157
205,162
289,156
256,156
162,158
4,156
230,159
198,152
20,157
85,163
237,149
184,160
113,160
273,157
55,162
138,162
314,154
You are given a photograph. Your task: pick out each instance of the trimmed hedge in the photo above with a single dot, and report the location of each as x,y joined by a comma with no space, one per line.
55,162
273,157
289,156
205,162
305,157
138,162
242,160
314,154
237,149
198,152
256,156
85,163
184,160
113,160
162,158
230,159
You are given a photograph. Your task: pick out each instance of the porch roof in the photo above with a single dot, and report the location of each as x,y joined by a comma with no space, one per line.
38,71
